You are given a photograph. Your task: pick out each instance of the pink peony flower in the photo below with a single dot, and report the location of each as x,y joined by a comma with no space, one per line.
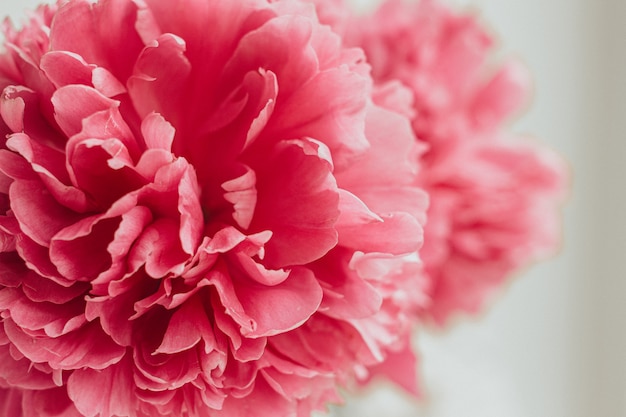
494,199
493,210
207,210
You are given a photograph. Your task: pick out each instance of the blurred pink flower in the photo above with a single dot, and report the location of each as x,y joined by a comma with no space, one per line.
494,198
206,210
493,210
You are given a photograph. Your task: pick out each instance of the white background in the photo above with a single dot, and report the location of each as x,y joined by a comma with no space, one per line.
554,344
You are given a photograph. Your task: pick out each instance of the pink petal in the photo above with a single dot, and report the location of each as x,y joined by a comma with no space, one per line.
85,347
390,162
262,401
354,212
64,68
191,216
12,270
257,272
54,319
282,307
40,289
20,373
385,200
106,392
115,311
103,169
106,124
227,27
241,117
159,249
242,194
401,368
49,403
37,258
47,161
503,95
10,402
15,167
159,372
242,348
398,233
307,199
97,43
73,103
40,216
161,72
225,240
224,286
331,108
281,46
130,228
49,164
80,252
188,325
346,294
157,132
12,107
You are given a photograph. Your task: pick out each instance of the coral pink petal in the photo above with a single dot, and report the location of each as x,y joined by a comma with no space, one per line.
64,68
191,216
242,194
307,200
47,161
39,289
11,402
40,216
54,319
86,347
186,328
12,107
393,151
281,307
503,95
259,273
336,118
107,124
97,44
401,368
73,249
388,199
262,400
20,373
159,81
288,54
49,403
346,294
73,103
397,233
158,249
158,133
109,392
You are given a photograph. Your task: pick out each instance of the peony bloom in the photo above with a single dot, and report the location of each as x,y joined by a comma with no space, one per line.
206,211
494,198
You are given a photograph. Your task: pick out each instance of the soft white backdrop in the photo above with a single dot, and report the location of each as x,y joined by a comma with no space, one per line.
554,343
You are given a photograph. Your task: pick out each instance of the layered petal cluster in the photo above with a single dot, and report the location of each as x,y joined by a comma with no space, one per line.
494,196
207,209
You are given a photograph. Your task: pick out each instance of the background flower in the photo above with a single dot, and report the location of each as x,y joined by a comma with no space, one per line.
206,211
494,197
